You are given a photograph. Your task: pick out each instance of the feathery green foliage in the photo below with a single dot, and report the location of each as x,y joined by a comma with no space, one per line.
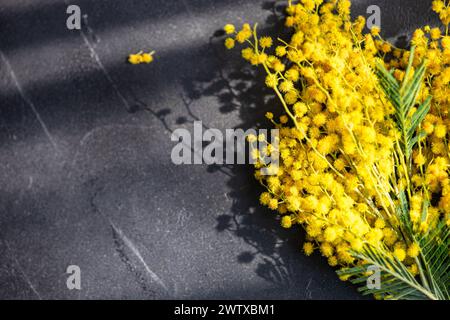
403,97
397,281
433,262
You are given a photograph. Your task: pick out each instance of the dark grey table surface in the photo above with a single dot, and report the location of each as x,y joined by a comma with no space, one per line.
85,171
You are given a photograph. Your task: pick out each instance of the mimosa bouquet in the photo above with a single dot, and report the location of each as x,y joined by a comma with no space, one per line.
363,146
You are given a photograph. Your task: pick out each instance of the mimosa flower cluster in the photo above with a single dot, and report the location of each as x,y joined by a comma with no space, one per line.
141,57
341,176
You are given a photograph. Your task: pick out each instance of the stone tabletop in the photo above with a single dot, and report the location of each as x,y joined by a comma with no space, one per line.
86,177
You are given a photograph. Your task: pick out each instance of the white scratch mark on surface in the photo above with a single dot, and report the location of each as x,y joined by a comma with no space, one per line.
308,290
96,58
136,252
24,276
27,100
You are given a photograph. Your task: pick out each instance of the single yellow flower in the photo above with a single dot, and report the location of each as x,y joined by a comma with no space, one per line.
413,250
286,222
308,248
375,31
134,58
229,29
147,57
229,43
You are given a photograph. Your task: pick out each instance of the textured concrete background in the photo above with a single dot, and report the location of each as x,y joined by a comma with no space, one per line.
85,170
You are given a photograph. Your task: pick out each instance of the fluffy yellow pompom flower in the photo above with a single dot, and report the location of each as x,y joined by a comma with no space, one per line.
414,270
375,31
243,35
147,58
265,42
330,234
438,6
320,119
278,66
272,81
380,223
284,119
247,53
413,250
286,222
400,254
333,261
308,248
273,204
229,43
440,131
435,33
419,159
264,198
292,74
386,48
229,29
357,244
280,51
286,86
300,109
327,249
135,58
